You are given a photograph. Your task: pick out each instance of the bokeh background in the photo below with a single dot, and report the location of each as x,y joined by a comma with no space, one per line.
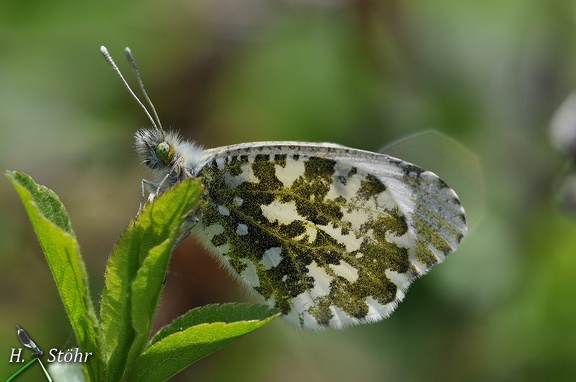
363,73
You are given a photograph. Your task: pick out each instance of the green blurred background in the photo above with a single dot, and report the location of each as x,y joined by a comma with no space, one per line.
363,73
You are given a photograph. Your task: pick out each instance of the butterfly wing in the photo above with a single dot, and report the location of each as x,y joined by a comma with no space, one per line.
329,235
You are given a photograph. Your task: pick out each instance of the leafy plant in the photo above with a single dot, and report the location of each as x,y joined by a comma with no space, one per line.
120,340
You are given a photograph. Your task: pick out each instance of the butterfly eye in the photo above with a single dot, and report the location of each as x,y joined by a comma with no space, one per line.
164,152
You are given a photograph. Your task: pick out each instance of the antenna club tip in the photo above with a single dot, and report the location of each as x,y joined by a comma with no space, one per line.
103,49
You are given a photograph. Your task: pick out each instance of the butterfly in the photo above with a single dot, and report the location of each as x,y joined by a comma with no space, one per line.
329,235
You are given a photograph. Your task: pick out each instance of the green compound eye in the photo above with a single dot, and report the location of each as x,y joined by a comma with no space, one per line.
164,152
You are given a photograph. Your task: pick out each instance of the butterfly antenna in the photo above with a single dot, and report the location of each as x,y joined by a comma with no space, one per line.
111,62
130,57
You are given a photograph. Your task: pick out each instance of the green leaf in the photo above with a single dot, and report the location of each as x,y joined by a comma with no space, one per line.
135,275
52,226
195,335
136,271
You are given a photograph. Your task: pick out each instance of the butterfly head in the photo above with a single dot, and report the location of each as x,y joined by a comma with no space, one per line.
156,148
164,152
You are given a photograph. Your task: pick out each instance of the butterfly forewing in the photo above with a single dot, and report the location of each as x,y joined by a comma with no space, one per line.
329,235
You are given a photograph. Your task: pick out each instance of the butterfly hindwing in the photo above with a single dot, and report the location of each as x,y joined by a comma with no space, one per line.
329,235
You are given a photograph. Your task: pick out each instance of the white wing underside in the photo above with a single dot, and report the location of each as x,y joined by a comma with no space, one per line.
428,204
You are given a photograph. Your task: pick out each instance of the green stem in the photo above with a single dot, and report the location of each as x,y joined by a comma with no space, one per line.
28,364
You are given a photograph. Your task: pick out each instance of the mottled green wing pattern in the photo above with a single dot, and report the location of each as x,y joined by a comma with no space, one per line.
329,235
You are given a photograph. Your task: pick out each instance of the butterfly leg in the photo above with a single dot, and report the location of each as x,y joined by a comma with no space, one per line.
176,169
186,228
151,185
